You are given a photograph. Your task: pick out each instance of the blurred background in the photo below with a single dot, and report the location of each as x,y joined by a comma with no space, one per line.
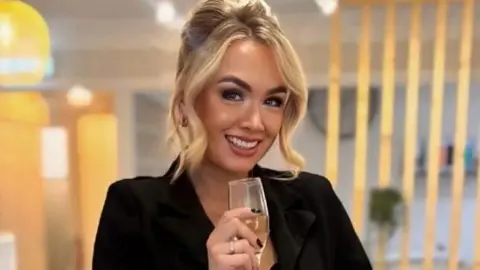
393,119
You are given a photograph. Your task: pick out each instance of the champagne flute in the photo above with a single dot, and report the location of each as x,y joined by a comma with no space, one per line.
249,193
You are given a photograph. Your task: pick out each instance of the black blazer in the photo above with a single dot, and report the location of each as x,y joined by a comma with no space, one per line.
149,224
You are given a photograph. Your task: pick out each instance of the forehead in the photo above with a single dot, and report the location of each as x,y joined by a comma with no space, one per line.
252,62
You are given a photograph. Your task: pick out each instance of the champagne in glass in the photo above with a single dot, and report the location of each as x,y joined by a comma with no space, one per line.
249,193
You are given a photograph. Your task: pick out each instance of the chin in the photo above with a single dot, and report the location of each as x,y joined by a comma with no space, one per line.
237,166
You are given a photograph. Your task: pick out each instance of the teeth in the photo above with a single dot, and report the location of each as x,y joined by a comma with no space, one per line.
241,143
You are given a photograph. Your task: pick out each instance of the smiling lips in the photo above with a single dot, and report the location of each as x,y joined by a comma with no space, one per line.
242,143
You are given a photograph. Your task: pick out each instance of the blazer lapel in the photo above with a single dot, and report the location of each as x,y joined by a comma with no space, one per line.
182,218
290,220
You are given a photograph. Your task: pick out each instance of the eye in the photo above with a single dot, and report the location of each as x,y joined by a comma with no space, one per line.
232,95
274,102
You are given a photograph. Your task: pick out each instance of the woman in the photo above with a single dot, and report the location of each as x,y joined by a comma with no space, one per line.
239,88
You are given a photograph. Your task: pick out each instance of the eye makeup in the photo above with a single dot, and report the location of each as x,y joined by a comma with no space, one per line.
232,94
233,89
275,102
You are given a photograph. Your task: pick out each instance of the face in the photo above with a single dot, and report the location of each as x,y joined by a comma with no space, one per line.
242,107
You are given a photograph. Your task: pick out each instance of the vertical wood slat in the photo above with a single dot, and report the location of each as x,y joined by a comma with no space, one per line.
361,138
476,258
411,127
388,96
386,126
461,132
333,129
435,133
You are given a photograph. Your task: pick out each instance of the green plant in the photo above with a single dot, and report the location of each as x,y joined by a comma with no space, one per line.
384,203
384,206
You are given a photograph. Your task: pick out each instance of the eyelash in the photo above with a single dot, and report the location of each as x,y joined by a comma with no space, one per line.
232,95
235,95
278,101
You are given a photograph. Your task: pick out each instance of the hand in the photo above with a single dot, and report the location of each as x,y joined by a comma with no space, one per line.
232,244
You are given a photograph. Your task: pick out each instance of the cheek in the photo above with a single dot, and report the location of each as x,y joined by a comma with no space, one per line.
273,124
212,112
217,119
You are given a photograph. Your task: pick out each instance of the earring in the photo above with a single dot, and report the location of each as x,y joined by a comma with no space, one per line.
184,122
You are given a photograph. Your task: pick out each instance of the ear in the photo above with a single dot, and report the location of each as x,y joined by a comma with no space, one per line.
181,107
183,120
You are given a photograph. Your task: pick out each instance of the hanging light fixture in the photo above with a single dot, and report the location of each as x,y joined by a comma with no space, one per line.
328,7
24,44
165,12
6,31
79,96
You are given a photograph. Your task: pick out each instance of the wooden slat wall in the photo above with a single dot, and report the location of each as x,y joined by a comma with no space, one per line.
461,121
388,97
476,258
411,119
435,134
333,133
382,2
410,131
361,138
386,126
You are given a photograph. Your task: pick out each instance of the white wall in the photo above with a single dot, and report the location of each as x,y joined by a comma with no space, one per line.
153,156
311,144
60,227
125,111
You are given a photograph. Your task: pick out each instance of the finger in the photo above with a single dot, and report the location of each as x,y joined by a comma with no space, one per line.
240,246
235,229
240,213
226,228
245,247
241,261
245,232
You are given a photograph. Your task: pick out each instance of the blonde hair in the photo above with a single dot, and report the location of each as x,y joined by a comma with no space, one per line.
207,34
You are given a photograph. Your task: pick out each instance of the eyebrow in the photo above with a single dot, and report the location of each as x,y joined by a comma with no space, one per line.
243,84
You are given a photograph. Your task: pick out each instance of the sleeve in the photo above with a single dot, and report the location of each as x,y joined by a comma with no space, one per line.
118,244
348,250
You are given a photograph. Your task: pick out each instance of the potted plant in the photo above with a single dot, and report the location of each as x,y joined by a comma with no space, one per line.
384,212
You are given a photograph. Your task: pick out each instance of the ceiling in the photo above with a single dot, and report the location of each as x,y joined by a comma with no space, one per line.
90,24
117,43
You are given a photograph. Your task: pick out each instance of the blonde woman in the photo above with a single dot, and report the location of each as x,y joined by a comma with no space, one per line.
239,87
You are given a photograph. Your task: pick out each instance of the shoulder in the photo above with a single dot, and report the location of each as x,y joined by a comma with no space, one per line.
316,188
311,181
305,181
142,190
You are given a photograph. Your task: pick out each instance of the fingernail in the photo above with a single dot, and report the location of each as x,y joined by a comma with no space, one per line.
259,243
256,211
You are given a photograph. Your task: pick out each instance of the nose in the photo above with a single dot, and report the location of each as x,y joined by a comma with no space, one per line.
253,119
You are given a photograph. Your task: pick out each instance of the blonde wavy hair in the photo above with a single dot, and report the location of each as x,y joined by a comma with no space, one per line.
212,26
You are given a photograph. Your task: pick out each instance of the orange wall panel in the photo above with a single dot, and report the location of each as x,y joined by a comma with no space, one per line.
97,149
21,187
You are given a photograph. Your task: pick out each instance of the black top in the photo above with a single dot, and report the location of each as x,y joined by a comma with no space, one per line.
149,224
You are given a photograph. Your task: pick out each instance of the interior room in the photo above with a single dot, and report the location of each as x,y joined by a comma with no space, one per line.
391,83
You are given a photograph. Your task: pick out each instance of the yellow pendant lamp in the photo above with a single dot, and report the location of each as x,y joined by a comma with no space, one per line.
23,107
24,44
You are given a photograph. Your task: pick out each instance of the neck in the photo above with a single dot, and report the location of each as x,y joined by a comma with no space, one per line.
211,183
